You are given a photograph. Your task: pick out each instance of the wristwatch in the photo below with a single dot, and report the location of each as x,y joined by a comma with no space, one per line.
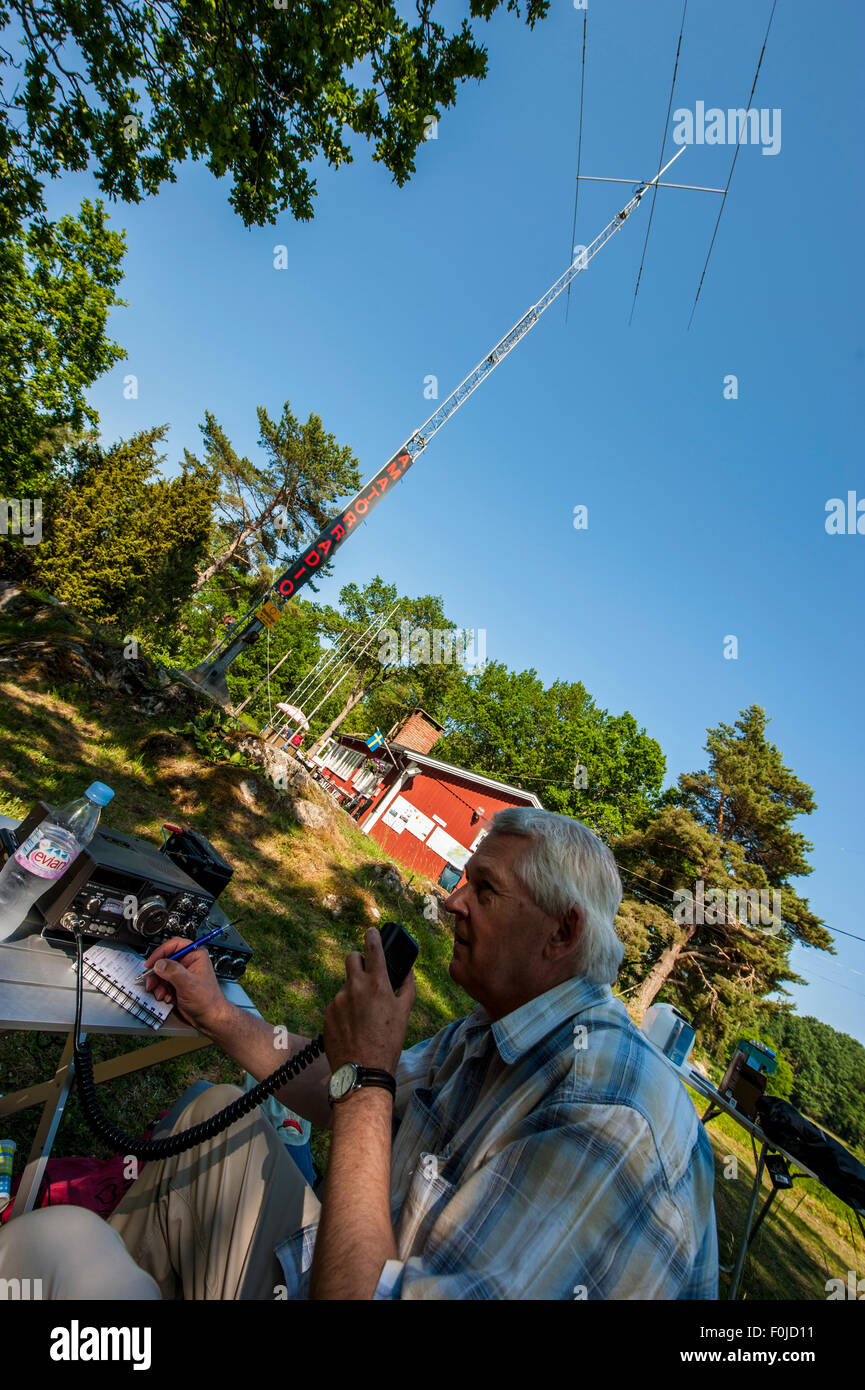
350,1077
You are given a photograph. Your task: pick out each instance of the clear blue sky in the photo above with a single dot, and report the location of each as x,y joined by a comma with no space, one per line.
706,516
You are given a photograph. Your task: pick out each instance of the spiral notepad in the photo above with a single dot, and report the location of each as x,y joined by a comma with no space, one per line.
112,970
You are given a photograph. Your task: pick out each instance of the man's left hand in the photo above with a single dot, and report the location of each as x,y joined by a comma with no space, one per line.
366,1022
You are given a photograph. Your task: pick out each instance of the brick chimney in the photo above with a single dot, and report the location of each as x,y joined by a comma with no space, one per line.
419,732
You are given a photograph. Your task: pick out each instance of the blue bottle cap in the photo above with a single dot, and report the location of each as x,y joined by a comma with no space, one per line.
98,792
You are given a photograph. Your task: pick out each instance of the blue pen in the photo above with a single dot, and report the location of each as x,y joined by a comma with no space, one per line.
193,946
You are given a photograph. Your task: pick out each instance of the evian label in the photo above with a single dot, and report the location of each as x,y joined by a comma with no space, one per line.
44,855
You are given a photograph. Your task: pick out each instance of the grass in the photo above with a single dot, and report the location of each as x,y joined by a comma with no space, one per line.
807,1238
54,739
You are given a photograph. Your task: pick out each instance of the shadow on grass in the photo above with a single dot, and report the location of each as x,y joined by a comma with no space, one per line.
55,740
793,1255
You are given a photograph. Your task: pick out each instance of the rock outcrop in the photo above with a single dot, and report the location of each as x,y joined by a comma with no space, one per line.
71,650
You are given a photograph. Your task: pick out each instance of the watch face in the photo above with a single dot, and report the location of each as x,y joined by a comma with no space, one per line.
342,1080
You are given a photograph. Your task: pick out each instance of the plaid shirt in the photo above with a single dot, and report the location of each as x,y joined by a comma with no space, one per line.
551,1155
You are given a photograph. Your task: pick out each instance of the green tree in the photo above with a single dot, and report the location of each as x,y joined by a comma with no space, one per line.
258,89
731,834
780,1083
122,542
57,283
381,687
748,797
576,757
276,663
828,1073
264,512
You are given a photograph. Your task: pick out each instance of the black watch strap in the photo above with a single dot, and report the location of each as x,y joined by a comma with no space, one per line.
372,1076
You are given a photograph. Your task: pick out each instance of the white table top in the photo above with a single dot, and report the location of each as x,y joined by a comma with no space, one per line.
37,991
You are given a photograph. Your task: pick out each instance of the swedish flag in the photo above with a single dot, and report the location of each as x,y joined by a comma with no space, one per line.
377,740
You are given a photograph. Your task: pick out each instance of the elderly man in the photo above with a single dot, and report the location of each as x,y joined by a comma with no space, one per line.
537,1149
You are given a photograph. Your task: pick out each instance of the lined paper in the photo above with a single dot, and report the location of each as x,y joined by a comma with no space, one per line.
112,969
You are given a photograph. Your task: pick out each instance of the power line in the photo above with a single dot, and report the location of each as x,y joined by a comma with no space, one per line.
836,985
579,155
649,897
836,931
836,964
833,931
660,162
733,165
653,897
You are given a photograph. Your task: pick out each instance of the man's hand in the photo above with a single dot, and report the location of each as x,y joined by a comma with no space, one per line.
190,984
366,1022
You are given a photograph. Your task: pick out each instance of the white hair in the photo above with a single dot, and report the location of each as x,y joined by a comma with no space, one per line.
567,866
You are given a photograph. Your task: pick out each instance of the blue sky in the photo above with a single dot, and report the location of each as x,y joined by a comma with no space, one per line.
706,515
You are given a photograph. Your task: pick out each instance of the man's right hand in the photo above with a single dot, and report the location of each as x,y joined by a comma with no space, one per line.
241,1033
190,984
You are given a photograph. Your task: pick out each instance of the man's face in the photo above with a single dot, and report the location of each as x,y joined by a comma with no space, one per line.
502,955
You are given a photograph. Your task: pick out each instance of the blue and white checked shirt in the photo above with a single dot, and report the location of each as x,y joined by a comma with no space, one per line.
551,1155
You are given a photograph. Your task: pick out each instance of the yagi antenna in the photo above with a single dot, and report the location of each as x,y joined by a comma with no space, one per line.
693,187
655,183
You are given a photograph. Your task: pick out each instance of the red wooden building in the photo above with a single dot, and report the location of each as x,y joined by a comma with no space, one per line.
429,815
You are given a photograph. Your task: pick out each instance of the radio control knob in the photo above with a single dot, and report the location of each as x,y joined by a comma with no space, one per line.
149,920
93,903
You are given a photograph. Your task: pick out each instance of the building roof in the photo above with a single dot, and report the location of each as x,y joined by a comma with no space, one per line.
424,760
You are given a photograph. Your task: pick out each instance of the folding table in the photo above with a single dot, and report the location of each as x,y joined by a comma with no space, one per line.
37,993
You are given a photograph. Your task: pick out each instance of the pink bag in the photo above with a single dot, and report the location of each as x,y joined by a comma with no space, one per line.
95,1183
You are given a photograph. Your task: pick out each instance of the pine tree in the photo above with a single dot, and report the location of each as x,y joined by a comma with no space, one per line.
266,511
690,925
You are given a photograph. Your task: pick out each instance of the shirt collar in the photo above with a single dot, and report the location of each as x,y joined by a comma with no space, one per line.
518,1032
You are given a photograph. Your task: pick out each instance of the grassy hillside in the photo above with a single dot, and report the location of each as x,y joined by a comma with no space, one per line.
55,738
61,726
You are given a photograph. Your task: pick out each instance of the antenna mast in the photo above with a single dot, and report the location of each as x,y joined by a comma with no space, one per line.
209,675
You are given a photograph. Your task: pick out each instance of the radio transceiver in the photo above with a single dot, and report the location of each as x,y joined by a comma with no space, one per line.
122,889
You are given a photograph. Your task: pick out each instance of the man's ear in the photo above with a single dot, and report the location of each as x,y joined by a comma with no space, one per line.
569,933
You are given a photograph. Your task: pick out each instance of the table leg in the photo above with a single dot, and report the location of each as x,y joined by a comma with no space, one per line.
55,1093
764,1211
163,1051
52,1113
755,1191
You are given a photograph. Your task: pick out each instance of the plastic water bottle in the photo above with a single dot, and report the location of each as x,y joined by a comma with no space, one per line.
47,853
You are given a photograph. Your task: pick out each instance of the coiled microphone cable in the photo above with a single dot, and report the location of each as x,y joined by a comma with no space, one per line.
145,1149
